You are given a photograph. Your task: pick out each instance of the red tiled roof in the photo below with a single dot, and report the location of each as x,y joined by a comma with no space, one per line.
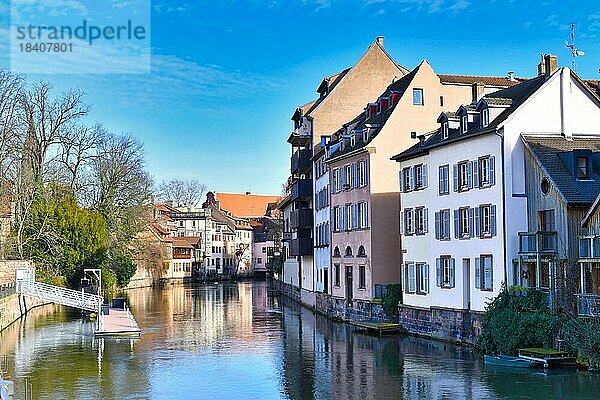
192,240
164,208
180,242
245,205
486,80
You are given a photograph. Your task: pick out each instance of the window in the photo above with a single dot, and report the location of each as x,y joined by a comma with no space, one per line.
441,101
361,277
485,117
444,184
264,249
336,252
418,97
416,278
259,260
546,221
361,251
363,216
336,180
365,134
464,123
336,275
585,247
445,269
348,177
420,179
486,220
352,139
348,252
483,169
337,220
420,220
408,221
407,179
463,176
362,173
442,225
484,273
463,224
583,171
348,217
545,186
181,224
445,130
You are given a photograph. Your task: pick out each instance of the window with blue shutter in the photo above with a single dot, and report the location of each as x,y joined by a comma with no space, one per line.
424,172
452,272
492,171
401,178
477,273
438,272
476,173
471,222
456,225
493,220
477,223
469,175
437,225
412,283
426,220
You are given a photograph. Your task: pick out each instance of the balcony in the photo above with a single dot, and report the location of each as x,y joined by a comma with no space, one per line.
537,242
302,218
287,236
302,189
301,161
301,247
588,305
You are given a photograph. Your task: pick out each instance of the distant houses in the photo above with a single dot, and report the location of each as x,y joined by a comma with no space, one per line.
210,241
453,187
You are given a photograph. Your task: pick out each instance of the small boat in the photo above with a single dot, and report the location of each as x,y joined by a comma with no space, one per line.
508,361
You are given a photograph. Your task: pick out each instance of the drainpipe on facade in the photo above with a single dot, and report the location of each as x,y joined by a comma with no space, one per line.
501,136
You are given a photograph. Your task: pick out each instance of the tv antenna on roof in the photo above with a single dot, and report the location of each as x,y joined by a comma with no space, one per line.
574,51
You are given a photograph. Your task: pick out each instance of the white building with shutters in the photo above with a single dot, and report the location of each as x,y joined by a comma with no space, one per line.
452,248
463,197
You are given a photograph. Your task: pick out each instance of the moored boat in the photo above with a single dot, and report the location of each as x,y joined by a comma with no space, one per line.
508,361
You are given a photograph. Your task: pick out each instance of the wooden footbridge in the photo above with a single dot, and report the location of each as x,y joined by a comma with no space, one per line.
111,321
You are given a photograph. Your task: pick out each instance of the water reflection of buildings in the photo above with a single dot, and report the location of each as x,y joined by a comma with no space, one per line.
328,360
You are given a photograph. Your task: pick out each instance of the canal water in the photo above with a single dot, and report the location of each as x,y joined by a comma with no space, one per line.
231,341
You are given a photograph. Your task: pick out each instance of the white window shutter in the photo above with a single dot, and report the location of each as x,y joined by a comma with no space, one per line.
424,175
452,272
425,220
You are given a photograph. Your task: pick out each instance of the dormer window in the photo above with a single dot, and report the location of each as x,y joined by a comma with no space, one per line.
371,109
444,130
383,103
352,140
583,167
365,135
485,117
394,99
464,123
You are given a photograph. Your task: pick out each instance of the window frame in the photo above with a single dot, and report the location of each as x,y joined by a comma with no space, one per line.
420,99
408,221
419,179
584,169
441,180
463,223
362,278
482,220
336,275
463,176
483,164
445,273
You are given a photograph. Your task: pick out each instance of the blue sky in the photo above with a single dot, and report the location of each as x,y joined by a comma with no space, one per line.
227,75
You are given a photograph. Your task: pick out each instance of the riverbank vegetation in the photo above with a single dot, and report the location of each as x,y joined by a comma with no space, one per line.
78,193
522,318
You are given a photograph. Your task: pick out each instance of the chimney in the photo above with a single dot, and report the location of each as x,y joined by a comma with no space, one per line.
550,63
477,90
379,40
511,76
541,67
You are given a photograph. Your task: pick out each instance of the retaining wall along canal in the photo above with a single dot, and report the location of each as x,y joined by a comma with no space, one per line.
15,306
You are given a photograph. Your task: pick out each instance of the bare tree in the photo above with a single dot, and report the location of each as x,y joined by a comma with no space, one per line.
78,146
45,120
183,193
121,186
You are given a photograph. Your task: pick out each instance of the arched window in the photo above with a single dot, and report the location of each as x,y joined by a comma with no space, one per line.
348,251
336,252
361,251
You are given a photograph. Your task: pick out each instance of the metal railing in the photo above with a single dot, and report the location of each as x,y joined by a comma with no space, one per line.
60,295
537,242
588,305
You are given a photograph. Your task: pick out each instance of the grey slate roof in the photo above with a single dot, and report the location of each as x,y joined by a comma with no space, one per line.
517,95
549,152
